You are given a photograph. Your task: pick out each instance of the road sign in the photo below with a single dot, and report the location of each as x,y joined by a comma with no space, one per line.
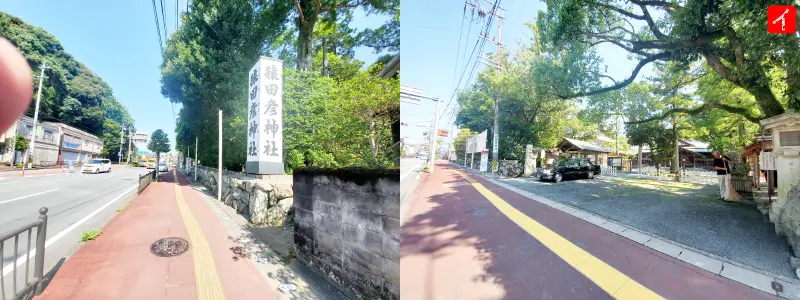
119,153
444,133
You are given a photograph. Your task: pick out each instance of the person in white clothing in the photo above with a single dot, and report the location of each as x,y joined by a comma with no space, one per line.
723,166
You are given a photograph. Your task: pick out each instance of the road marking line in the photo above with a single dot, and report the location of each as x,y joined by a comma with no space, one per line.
9,182
409,171
64,232
28,196
206,278
611,280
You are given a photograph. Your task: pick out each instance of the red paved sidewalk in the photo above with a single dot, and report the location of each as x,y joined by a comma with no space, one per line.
119,265
455,244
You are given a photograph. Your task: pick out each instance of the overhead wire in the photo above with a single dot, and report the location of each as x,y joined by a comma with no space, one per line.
481,42
158,27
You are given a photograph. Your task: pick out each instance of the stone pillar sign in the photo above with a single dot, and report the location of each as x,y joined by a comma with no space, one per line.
530,161
265,118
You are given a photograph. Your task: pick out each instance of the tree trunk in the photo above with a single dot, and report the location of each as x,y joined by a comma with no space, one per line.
766,100
395,115
372,140
305,28
676,155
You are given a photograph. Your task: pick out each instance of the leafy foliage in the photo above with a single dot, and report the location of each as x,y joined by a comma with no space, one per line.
722,35
159,143
71,93
340,119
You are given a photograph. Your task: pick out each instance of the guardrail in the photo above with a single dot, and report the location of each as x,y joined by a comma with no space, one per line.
145,180
38,269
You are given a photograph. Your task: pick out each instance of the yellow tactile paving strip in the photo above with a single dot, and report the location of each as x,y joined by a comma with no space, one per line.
209,286
611,280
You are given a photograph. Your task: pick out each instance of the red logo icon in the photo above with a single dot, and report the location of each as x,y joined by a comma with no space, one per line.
781,19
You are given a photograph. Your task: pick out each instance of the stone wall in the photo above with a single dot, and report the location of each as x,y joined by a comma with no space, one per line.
347,228
263,199
509,168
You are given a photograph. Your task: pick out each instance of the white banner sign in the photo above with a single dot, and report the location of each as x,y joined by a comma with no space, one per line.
484,161
265,117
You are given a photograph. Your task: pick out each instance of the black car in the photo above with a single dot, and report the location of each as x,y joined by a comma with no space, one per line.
572,168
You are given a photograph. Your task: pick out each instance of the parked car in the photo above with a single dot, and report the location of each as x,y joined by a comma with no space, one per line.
162,167
571,168
97,166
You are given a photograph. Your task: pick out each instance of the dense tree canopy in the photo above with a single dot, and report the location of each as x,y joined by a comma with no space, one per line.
338,117
717,74
71,93
728,37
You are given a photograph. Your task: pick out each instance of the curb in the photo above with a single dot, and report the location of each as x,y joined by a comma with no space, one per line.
773,284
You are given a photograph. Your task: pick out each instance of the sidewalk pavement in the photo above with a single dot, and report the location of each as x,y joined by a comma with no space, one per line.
467,238
119,265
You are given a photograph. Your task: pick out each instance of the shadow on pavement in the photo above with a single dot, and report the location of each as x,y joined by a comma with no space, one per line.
509,257
270,247
29,294
689,214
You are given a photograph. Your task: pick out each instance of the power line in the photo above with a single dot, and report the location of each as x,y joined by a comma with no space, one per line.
158,27
164,19
460,34
481,42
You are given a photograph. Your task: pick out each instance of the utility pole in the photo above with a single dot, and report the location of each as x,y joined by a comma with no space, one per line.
121,141
195,158
219,145
496,65
432,156
130,136
35,120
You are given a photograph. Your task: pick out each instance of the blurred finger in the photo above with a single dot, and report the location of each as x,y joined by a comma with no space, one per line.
16,84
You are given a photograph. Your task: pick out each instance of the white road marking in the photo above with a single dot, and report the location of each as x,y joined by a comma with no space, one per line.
7,269
23,197
9,182
409,171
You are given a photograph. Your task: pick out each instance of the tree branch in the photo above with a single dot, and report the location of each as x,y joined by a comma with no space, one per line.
651,23
625,82
655,3
345,5
619,10
299,10
694,111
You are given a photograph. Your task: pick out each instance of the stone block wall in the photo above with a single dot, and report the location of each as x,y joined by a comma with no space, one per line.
509,168
263,199
347,228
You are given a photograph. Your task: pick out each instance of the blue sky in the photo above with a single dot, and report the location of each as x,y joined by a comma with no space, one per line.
117,40
430,41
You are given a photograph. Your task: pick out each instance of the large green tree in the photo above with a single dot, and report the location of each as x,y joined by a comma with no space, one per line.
159,143
729,37
332,120
307,13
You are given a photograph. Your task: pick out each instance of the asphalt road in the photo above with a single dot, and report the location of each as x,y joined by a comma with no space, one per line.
75,202
409,171
689,214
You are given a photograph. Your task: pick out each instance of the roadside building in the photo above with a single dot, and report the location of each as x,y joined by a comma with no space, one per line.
47,137
77,145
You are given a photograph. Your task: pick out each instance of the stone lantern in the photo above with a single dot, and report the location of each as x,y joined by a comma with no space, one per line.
785,210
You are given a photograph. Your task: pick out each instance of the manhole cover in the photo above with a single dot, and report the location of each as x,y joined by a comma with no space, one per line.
168,247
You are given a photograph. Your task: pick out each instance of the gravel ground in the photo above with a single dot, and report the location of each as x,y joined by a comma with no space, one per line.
686,213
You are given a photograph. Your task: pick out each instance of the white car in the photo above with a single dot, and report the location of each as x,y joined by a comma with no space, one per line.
97,166
162,167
